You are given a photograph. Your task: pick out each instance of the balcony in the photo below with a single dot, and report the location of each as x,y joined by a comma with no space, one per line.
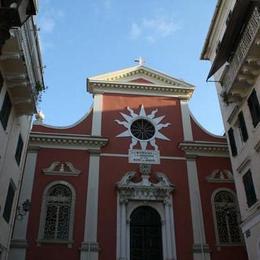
244,67
21,67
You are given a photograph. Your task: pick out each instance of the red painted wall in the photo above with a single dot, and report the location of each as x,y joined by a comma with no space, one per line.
205,167
80,160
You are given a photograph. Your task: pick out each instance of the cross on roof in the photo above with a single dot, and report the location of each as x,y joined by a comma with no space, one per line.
140,61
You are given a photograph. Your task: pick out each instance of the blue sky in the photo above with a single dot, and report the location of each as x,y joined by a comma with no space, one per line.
94,37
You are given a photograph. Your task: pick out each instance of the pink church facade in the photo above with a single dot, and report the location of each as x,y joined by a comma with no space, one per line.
137,178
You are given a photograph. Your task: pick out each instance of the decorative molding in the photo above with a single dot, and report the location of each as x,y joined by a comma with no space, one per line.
61,169
90,246
150,132
139,71
208,149
200,248
19,243
257,146
144,189
101,86
66,141
244,164
220,176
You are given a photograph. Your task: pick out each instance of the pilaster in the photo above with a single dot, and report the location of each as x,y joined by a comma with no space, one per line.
19,241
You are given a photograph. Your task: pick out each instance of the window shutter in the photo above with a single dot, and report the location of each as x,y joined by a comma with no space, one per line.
249,188
232,142
5,111
1,81
9,202
242,126
19,149
254,108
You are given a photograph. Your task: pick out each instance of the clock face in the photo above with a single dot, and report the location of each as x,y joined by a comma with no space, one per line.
142,129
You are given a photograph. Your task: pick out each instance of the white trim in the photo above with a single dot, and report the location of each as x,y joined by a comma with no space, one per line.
68,126
101,87
132,195
97,115
251,221
120,75
43,213
186,123
20,228
196,210
204,129
91,217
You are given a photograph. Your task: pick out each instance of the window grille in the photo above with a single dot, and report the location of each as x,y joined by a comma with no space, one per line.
226,213
58,213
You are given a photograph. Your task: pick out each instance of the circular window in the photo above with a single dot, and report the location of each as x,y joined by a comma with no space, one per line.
142,129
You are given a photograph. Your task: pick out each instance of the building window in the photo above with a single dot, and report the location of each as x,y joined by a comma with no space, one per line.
57,213
145,234
9,202
5,111
254,108
232,142
19,150
1,84
249,188
242,127
226,216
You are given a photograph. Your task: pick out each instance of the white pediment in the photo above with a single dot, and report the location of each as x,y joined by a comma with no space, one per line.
140,74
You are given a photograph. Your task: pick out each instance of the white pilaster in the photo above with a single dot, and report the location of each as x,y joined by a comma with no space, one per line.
200,248
186,124
97,115
90,247
19,242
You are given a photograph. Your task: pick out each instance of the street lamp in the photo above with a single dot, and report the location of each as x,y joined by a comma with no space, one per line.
14,13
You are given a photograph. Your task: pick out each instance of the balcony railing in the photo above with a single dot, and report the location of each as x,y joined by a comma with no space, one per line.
243,50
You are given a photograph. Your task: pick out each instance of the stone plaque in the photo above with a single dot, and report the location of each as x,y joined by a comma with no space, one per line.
144,156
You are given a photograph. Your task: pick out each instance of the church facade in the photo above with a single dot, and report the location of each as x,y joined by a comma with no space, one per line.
137,178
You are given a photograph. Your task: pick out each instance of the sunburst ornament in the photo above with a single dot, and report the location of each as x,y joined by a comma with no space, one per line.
143,128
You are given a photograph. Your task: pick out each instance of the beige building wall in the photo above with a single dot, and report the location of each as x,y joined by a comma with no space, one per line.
233,101
21,70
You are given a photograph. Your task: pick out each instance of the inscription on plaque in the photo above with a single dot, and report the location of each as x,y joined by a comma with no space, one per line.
144,156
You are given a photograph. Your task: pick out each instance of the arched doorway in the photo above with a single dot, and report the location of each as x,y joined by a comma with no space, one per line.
145,234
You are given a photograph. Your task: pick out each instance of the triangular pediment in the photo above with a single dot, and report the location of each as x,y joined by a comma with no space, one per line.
142,75
140,80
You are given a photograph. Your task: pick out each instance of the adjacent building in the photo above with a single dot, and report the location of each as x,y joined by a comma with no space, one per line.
20,83
136,178
233,47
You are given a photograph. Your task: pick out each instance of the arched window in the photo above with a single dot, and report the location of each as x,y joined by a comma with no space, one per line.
226,215
145,234
57,213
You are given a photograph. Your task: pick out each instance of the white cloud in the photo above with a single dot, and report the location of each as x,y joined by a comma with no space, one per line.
153,29
135,31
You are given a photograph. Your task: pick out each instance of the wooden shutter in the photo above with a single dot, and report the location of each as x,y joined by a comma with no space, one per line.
249,188
254,108
232,142
9,202
242,126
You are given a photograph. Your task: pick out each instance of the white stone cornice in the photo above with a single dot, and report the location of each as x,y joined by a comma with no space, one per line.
67,141
208,149
100,87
